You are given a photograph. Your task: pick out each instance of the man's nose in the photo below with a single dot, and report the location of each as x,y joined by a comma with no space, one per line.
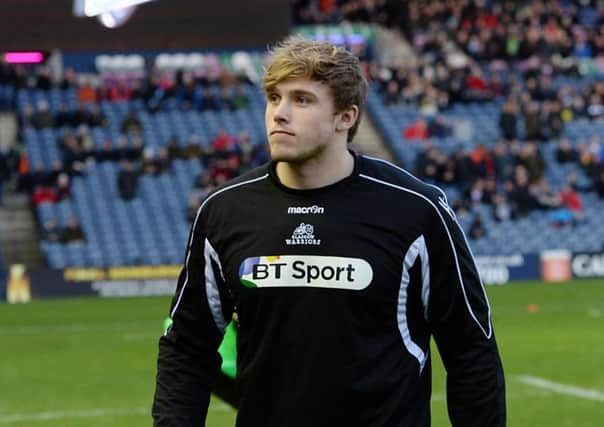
281,112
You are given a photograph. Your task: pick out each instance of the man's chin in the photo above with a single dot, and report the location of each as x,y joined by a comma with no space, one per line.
294,156
283,156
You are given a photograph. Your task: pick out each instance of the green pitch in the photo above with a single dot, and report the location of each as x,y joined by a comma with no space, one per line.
91,362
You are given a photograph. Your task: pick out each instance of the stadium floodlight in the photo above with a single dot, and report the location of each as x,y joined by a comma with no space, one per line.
97,7
111,13
117,17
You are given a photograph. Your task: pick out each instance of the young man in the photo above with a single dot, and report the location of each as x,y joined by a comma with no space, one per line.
340,268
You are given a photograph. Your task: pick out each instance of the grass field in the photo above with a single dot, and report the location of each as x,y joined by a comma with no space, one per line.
91,362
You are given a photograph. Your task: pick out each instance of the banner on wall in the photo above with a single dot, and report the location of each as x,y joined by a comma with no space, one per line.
501,269
587,264
24,284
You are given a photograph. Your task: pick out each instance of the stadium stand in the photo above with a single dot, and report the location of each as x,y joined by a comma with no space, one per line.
472,116
137,127
442,117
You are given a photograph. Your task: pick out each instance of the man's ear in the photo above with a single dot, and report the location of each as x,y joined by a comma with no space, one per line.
347,118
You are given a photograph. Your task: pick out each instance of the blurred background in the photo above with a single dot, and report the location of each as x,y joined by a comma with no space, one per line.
118,117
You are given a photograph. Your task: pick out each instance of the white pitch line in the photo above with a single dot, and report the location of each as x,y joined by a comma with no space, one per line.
76,328
87,413
140,337
216,406
568,389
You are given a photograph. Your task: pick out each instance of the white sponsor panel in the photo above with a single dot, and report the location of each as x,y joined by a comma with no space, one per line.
130,288
493,274
555,265
588,265
495,269
306,271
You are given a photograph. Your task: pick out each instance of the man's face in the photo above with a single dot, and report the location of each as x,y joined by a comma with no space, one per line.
300,120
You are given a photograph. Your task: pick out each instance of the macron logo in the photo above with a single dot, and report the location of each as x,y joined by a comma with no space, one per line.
301,210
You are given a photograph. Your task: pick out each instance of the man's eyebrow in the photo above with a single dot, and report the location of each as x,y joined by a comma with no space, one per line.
303,92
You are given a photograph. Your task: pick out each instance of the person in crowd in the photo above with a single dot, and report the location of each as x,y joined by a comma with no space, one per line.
43,79
519,193
106,152
149,165
44,193
599,185
508,119
43,118
504,161
553,118
175,151
96,117
476,194
162,162
134,151
571,200
26,118
85,140
208,100
63,186
502,211
418,130
204,182
131,123
63,117
193,148
50,231
477,228
127,180
439,127
565,153
72,232
544,195
80,116
223,142
531,158
533,124
240,100
393,94
224,99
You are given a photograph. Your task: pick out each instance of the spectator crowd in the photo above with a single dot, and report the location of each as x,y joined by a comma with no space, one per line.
529,57
221,158
535,60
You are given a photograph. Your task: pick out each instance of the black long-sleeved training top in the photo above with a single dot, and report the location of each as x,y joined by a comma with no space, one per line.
338,291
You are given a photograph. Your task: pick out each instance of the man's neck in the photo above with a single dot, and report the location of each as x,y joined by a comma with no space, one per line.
317,172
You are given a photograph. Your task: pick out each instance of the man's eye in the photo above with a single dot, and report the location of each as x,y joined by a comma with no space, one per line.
302,99
273,98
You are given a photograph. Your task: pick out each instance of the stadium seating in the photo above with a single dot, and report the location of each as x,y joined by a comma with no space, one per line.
511,236
152,228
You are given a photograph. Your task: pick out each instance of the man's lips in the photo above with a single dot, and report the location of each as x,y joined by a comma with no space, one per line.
282,132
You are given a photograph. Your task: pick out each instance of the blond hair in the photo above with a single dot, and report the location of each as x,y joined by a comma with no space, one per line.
297,57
